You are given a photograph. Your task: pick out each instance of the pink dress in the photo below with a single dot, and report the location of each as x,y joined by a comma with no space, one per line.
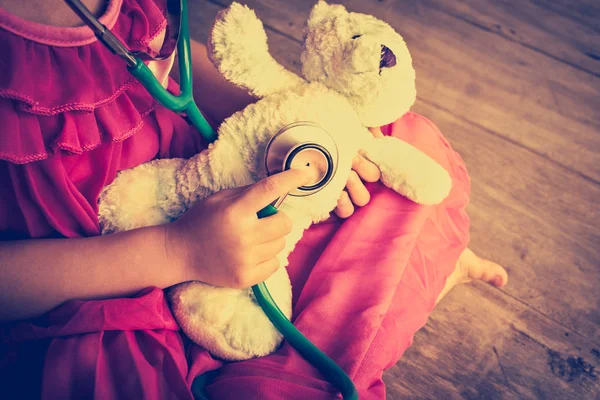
72,117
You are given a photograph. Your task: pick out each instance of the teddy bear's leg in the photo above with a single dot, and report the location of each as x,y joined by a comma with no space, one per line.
229,323
238,48
160,191
407,170
141,196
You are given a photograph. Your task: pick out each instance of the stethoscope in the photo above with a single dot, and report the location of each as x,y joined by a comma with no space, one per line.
297,144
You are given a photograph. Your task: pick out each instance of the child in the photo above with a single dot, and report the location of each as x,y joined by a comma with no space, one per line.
86,317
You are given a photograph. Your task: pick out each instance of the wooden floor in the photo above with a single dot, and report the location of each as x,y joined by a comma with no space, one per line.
515,87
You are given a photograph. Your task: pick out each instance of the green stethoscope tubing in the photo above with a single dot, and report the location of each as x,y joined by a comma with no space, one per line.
184,103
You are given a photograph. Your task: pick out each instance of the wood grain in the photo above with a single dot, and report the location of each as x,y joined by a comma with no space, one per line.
534,26
537,219
481,344
584,12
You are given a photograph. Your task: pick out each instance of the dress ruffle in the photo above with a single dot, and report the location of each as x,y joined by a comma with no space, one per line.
90,99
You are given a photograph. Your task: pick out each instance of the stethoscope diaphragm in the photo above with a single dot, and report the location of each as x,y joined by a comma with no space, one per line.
303,144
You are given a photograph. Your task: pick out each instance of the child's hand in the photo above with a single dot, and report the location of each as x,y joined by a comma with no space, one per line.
222,242
356,193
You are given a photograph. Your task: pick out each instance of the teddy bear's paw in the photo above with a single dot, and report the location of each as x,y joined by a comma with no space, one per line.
432,188
132,200
238,48
238,41
428,186
408,171
226,322
229,323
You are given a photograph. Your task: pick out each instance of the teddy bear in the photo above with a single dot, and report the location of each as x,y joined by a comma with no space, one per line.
356,73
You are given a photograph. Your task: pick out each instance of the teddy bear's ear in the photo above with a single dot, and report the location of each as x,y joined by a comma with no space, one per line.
323,12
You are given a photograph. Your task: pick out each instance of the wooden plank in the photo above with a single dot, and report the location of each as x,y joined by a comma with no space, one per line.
534,26
585,12
513,91
481,344
536,218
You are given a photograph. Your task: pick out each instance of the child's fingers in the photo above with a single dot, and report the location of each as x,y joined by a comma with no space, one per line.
273,227
366,170
376,132
268,250
344,207
263,271
357,191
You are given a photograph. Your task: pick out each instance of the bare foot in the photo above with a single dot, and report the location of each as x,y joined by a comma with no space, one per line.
471,267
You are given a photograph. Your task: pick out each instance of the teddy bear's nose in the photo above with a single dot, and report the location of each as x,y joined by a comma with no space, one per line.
388,59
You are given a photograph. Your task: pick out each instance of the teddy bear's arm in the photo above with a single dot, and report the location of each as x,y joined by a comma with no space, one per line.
219,167
141,196
160,191
238,48
407,170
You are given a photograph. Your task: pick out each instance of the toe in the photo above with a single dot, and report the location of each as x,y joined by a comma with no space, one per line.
481,269
498,281
496,271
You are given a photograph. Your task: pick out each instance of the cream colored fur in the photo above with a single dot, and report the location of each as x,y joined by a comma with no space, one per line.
342,89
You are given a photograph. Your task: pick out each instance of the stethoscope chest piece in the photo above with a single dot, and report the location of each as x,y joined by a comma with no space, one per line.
303,144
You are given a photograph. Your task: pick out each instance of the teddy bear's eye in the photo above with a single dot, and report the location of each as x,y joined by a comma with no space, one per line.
356,36
388,59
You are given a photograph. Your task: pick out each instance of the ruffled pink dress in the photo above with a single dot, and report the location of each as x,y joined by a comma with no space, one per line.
72,117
